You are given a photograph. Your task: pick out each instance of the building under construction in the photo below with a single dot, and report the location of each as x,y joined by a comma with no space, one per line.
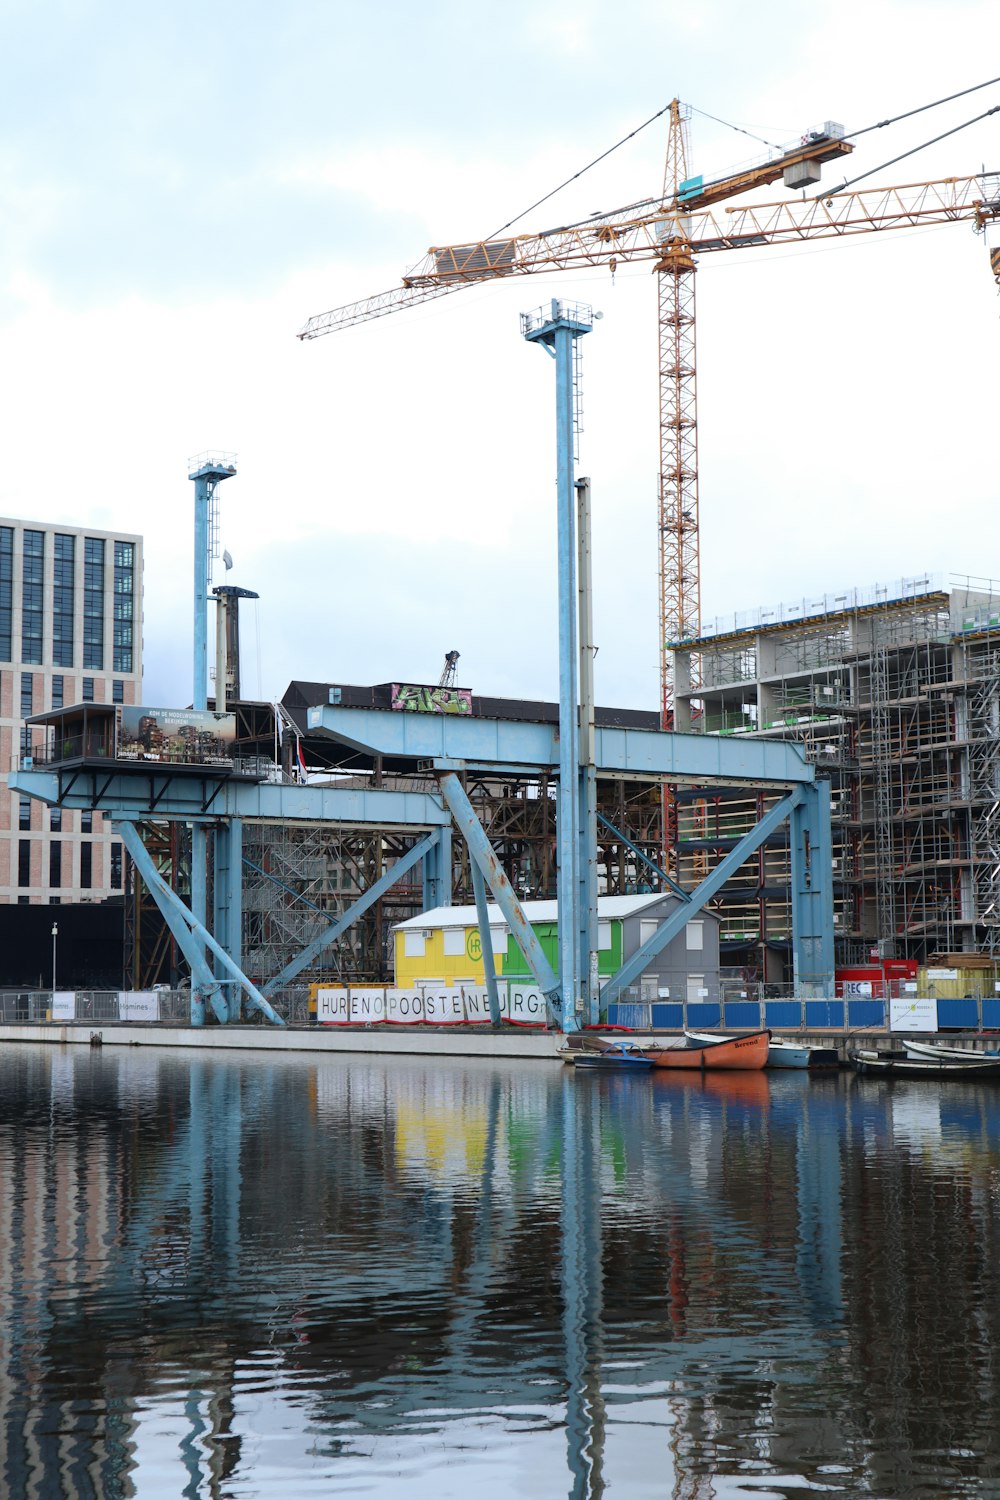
895,692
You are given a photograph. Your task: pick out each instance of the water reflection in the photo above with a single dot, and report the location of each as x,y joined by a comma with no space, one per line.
229,1277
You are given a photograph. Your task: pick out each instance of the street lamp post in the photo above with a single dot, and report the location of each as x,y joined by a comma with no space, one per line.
55,934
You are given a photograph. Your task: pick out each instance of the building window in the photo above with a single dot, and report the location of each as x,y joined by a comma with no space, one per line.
116,867
55,864
695,936
414,944
55,819
86,822
118,691
86,866
604,937
23,862
88,690
57,692
24,813
6,590
124,606
498,938
63,561
93,603
32,589
454,942
27,694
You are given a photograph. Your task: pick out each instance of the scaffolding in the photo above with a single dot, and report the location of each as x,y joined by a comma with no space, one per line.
894,693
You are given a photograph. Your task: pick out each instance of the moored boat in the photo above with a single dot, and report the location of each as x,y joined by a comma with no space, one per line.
938,1051
744,1052
781,1053
622,1056
901,1065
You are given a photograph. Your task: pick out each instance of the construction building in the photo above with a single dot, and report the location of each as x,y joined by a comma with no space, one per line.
894,691
70,632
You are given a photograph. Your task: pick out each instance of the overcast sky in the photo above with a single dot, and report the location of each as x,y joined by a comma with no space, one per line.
183,185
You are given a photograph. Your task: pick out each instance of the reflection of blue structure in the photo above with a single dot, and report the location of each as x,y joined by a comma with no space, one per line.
293,1233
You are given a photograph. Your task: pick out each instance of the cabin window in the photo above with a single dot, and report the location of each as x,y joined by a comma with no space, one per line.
696,987
647,930
695,934
454,942
604,936
498,937
414,944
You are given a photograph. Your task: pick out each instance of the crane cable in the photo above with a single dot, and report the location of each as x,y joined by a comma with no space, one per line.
922,147
881,124
631,135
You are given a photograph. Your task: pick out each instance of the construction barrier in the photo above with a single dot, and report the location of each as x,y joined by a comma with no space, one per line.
454,1005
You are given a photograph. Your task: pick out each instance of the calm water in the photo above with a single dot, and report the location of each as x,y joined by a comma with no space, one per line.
233,1278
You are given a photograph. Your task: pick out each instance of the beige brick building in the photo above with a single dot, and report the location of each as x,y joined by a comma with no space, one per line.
70,632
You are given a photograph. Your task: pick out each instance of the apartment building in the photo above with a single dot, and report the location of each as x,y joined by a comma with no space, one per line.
70,632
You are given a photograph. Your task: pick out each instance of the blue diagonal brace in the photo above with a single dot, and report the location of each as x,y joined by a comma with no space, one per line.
486,944
173,908
678,890
177,917
668,930
351,915
484,855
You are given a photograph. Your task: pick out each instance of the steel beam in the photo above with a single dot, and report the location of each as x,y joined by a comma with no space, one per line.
622,839
486,944
172,906
353,912
481,851
485,743
119,792
812,893
668,929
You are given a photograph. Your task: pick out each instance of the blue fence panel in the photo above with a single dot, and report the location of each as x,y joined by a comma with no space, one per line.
958,1015
781,1014
742,1015
824,1013
668,1017
866,1013
702,1014
991,1014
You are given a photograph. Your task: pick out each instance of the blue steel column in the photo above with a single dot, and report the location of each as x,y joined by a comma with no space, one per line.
812,892
437,872
486,944
228,916
558,331
206,479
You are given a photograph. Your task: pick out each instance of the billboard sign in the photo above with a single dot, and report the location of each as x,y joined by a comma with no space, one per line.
411,698
177,736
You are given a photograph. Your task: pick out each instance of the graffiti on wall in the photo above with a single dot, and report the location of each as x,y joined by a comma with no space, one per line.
411,698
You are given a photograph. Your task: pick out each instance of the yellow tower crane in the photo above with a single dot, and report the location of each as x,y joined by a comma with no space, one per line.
672,230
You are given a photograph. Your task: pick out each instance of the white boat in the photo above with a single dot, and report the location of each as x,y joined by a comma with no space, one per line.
941,1052
781,1052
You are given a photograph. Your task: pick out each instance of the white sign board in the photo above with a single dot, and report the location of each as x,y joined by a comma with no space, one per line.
64,1005
942,973
435,1005
138,1005
913,1013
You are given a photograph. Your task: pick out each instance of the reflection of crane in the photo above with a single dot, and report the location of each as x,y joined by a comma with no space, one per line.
447,678
670,231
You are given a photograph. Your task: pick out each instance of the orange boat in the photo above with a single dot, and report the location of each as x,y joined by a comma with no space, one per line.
744,1052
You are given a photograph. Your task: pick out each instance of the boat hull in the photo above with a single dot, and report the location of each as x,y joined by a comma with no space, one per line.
900,1065
780,1053
746,1053
940,1051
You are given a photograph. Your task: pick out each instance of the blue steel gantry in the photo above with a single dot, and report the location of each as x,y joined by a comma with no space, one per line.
82,772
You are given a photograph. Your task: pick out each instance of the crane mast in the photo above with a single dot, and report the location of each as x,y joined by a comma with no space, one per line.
680,565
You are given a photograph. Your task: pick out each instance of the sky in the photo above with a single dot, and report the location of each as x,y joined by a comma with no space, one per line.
183,186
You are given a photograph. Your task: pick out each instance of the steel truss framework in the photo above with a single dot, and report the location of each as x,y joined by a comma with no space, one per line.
900,707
